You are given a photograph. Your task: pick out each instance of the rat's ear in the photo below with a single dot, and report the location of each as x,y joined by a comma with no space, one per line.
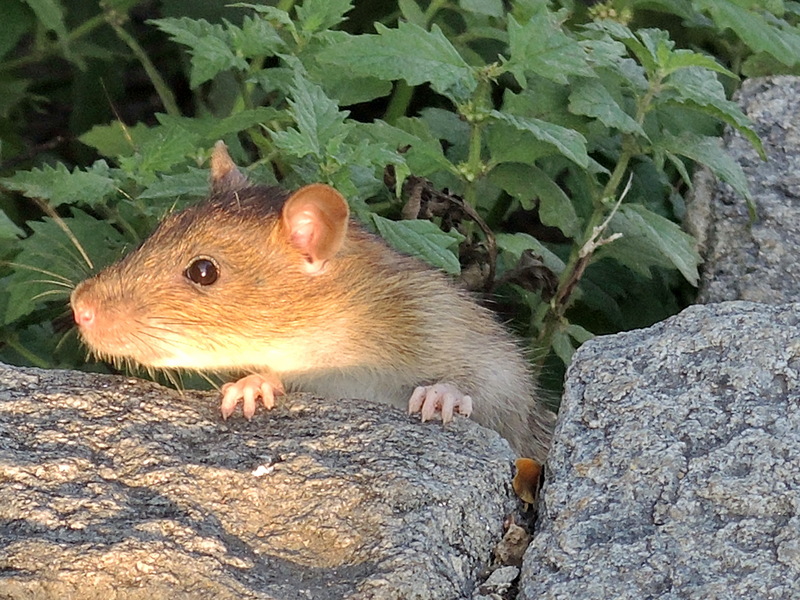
224,174
315,219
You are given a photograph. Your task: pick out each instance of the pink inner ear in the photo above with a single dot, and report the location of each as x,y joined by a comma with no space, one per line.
302,228
315,218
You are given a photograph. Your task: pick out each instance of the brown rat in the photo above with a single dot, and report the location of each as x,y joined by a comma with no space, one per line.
287,288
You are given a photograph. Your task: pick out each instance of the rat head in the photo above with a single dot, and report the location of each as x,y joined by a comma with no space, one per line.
233,282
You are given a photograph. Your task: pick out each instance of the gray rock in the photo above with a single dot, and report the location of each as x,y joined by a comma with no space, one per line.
112,487
755,261
675,472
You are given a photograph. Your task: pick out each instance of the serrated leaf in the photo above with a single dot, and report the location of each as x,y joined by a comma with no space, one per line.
278,15
526,183
318,15
422,239
256,38
408,52
167,146
320,124
612,54
192,183
755,30
590,97
569,142
681,59
541,46
48,265
59,186
490,8
340,84
241,121
707,151
209,46
116,139
8,229
649,240
698,89
620,32
421,150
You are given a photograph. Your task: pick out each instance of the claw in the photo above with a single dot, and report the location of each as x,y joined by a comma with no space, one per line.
442,398
248,390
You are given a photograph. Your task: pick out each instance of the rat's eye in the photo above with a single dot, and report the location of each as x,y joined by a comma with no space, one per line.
202,271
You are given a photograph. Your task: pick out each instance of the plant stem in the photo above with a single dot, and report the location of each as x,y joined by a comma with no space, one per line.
113,18
55,46
398,104
549,316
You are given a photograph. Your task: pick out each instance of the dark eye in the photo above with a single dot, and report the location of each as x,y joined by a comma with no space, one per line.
202,271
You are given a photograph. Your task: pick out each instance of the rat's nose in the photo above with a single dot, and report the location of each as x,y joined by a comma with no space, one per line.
84,315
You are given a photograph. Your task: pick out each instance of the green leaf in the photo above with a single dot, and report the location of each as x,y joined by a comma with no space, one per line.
165,147
698,89
641,51
318,15
412,12
754,28
321,126
517,243
649,240
240,121
681,59
562,346
422,239
408,52
58,186
17,21
540,46
192,183
591,98
345,87
51,14
421,150
116,139
707,151
570,143
8,229
256,38
526,182
578,333
210,47
280,16
490,8
48,266
12,92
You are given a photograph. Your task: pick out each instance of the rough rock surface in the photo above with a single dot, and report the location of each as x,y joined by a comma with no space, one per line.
675,472
115,488
758,261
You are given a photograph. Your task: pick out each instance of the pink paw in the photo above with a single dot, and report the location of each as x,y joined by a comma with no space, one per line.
443,398
248,390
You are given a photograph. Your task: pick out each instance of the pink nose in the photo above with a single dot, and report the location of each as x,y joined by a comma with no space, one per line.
84,315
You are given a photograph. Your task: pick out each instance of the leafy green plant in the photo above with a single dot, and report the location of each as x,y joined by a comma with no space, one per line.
551,148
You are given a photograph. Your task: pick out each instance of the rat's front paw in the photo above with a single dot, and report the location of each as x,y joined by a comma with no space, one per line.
444,398
248,390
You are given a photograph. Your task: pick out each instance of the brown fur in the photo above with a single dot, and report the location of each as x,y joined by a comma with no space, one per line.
374,324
